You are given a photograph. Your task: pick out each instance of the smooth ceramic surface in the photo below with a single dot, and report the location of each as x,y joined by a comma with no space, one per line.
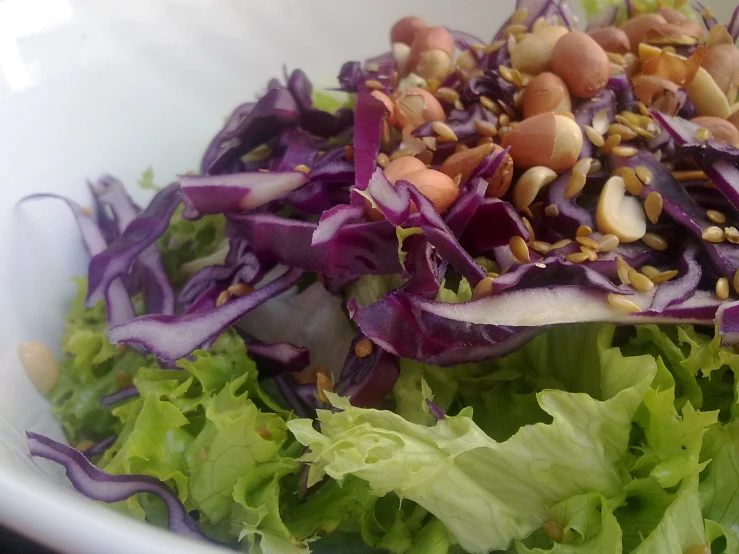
94,86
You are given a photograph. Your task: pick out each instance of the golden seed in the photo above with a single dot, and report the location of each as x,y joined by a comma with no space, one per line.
622,303
493,275
716,216
575,184
530,229
514,29
595,167
363,348
622,268
519,249
483,289
650,271
639,281
323,385
432,85
594,136
690,175
493,47
430,142
540,246
504,120
590,253
506,73
600,121
484,140
520,16
714,234
587,241
222,298
654,241
373,85
664,276
403,152
86,210
607,243
722,288
458,105
446,134
624,151
621,130
703,134
485,128
447,94
736,281
631,181
302,168
551,210
489,104
561,244
653,206
611,142
584,231
642,108
240,289
583,166
382,160
644,174
732,235
577,257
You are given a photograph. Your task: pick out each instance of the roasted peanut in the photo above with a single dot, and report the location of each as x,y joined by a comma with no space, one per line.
546,93
415,106
550,140
618,214
582,64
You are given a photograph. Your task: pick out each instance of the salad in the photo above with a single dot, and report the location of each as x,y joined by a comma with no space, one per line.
481,297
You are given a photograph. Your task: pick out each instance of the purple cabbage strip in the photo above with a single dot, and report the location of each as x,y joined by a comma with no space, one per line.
682,287
315,121
104,487
350,76
333,220
100,447
118,258
159,297
464,41
237,192
250,127
733,26
423,266
480,237
680,206
466,206
397,325
300,397
462,122
367,381
357,249
125,393
492,85
117,300
277,357
727,323
295,147
708,19
173,337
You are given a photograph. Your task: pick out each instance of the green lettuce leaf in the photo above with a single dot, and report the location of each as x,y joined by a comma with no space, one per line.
485,492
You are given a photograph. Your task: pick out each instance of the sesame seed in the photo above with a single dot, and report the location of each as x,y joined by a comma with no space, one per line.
690,175
458,105
583,166
624,151
644,174
664,276
577,257
530,229
382,160
722,288
446,134
703,134
519,249
716,216
447,94
222,298
591,253
622,303
575,184
631,181
551,210
430,142
485,128
504,120
484,140
714,234
650,271
622,131
736,281
595,167
540,246
639,281
403,152
594,136
653,206
622,268
540,265
493,46
323,385
732,235
363,348
489,104
483,289
607,243
520,16
654,241
240,289
583,231
611,142
587,241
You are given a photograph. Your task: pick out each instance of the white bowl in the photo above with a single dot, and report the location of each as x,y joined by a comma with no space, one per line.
94,86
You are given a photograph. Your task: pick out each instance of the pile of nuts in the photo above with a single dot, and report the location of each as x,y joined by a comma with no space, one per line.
554,71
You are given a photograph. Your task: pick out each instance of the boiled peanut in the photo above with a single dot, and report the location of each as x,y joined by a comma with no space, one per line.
534,53
550,140
611,39
582,64
546,93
